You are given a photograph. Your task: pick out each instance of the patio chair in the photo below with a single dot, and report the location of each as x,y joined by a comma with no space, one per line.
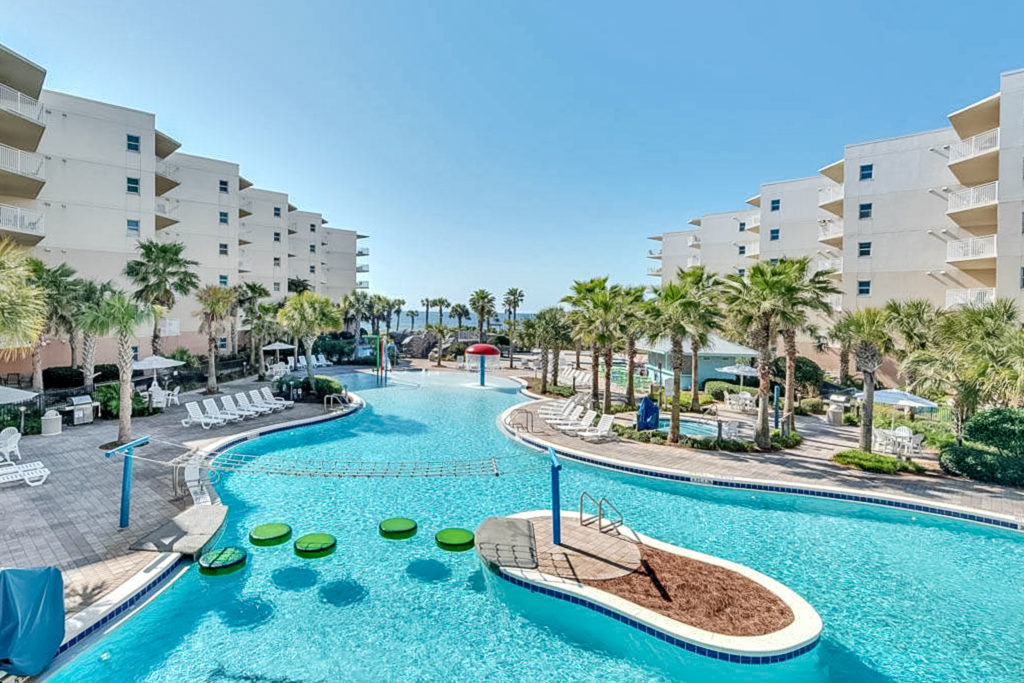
172,396
300,363
157,397
196,417
916,446
322,359
731,429
584,423
259,402
268,397
571,418
244,402
231,407
213,411
9,439
556,410
603,430
31,473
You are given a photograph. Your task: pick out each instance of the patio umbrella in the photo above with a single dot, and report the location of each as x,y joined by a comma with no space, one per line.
741,370
894,397
278,347
155,363
11,395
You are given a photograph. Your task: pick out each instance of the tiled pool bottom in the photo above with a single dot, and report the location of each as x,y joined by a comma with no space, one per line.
903,599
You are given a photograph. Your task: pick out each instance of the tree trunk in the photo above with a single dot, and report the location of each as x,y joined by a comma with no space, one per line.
234,334
543,369
595,378
630,369
307,349
789,340
211,364
127,391
844,365
155,340
762,435
88,360
608,379
677,371
479,328
556,355
867,416
694,383
579,350
37,364
73,338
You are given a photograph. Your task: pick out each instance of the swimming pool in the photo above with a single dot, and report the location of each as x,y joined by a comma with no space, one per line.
690,427
903,598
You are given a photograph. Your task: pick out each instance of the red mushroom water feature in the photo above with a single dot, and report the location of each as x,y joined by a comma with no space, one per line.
483,350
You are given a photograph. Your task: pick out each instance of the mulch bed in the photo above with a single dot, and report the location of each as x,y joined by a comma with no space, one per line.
711,598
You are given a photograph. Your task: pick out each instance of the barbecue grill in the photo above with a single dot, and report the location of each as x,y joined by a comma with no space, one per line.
80,410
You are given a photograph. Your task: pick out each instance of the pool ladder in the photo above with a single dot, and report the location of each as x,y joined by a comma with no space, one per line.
605,523
522,419
334,402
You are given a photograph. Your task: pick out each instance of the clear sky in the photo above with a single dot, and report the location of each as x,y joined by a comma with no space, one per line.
485,144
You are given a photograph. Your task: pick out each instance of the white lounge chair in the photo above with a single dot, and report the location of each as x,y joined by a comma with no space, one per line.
196,417
603,430
259,402
214,411
244,402
268,397
322,359
300,363
9,439
32,473
556,410
572,418
231,407
584,423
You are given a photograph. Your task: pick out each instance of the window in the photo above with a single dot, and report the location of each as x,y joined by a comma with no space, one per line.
222,280
223,186
1022,278
741,249
312,227
277,286
863,287
867,171
135,353
312,269
863,248
223,217
222,249
312,249
865,211
277,261
132,143
741,271
277,237
773,235
776,204
133,186
277,212
222,343
133,227
773,261
743,226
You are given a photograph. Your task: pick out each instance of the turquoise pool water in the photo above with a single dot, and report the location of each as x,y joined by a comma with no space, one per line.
690,427
903,598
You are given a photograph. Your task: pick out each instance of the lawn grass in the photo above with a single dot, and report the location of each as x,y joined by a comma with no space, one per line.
876,462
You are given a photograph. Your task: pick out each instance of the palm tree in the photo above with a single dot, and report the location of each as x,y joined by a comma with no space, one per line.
248,295
481,302
357,305
262,328
21,302
396,310
440,304
702,318
121,316
59,289
548,328
307,316
298,285
580,300
161,274
412,319
460,312
512,300
667,316
215,305
379,308
869,329
912,326
633,323
91,296
839,334
426,304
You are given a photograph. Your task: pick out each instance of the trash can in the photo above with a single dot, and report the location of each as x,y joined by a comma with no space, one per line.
51,423
834,415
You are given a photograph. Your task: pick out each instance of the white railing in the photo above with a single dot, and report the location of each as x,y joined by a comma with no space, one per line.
835,301
829,194
165,207
830,230
975,247
20,161
692,261
973,196
362,284
753,249
833,264
245,205
693,241
973,146
363,251
168,170
362,268
654,272
970,297
17,219
654,253
20,103
170,327
753,222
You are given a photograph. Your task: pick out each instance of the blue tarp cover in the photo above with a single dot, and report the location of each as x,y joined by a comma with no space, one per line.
647,414
31,619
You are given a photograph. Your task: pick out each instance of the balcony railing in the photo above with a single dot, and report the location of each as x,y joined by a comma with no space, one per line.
363,251
975,247
362,284
17,219
654,272
830,230
20,103
362,268
829,194
693,241
835,301
973,146
20,161
753,250
970,297
692,261
654,253
833,264
973,196
165,207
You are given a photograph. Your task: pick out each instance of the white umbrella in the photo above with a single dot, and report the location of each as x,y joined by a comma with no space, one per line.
11,395
741,370
278,347
156,363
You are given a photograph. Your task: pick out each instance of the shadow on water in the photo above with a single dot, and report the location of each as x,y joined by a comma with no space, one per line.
838,664
476,582
428,571
294,578
342,593
222,674
245,613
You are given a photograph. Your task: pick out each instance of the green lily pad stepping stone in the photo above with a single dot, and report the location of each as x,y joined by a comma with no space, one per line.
454,540
315,545
220,561
397,527
270,534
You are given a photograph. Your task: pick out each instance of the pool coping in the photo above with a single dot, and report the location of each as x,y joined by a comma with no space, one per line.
791,641
908,503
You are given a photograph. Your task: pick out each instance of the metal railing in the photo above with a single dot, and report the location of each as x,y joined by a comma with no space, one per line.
753,249
165,207
692,261
975,247
831,193
363,251
693,241
654,253
973,146
830,230
654,272
362,268
973,196
20,161
168,170
20,103
970,297
17,219
835,301
362,284
833,264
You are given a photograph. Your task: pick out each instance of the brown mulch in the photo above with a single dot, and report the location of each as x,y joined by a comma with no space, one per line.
711,598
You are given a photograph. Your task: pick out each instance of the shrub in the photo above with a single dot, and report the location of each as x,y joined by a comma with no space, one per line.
982,464
109,398
936,434
851,420
717,388
62,377
701,443
185,356
812,406
782,442
875,462
322,384
1001,429
807,373
335,348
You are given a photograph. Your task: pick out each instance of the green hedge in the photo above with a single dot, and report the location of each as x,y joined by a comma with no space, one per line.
780,442
717,388
322,384
702,443
982,464
876,462
1001,429
67,377
812,406
109,398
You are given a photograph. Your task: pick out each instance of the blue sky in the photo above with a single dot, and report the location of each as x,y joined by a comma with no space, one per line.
527,144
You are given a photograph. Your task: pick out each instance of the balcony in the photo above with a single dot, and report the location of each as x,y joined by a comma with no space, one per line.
21,173
754,224
362,284
836,171
976,160
654,272
362,268
976,253
753,250
363,251
164,145
974,206
21,119
244,208
245,261
167,177
21,225
833,264
293,228
693,241
980,296
164,210
831,233
835,301
831,199
976,118
692,261
654,253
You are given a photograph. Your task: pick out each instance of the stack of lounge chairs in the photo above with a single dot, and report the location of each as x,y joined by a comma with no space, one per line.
233,408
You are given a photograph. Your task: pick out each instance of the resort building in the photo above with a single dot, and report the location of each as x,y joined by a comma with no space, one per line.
82,182
717,354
